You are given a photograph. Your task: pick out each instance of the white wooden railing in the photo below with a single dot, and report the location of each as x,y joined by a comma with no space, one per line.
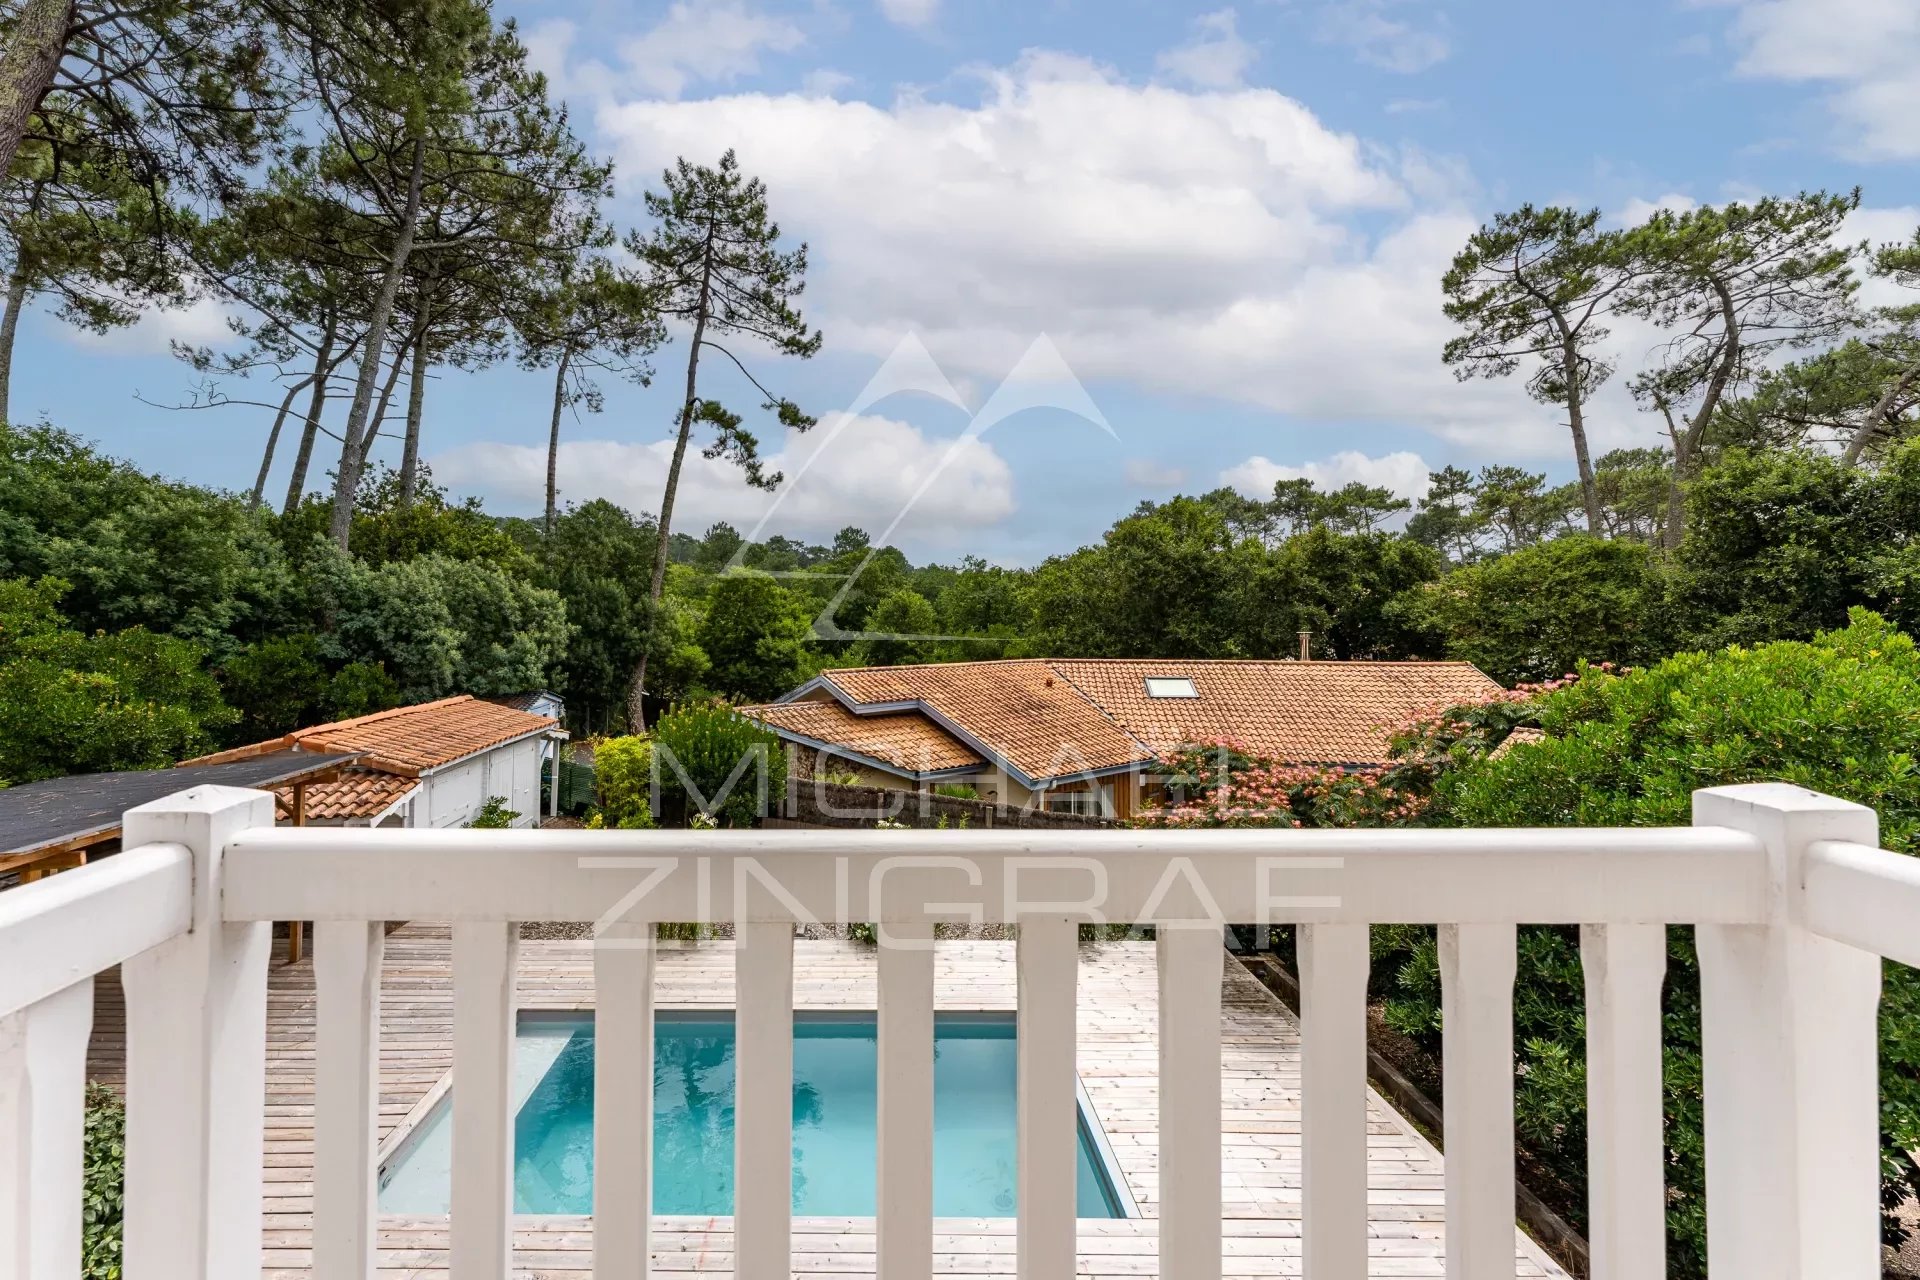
1793,901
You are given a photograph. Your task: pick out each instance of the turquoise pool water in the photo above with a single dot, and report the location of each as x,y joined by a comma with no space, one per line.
833,1123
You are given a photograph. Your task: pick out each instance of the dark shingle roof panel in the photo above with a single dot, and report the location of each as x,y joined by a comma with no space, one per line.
87,807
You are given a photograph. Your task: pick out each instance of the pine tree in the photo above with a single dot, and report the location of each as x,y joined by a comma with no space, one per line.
714,263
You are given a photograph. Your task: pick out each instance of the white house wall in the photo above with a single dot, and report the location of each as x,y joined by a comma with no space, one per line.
453,796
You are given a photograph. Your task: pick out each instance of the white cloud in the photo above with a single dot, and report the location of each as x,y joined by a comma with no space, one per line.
1404,473
1222,243
865,470
199,323
1380,39
825,83
1639,209
910,13
1216,57
697,40
1147,473
1865,50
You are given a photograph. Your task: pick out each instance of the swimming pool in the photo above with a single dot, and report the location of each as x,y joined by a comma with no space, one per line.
834,1062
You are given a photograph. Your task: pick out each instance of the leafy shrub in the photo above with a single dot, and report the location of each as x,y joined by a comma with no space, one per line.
957,790
494,814
1839,714
104,1172
623,782
440,626
1538,611
711,759
86,703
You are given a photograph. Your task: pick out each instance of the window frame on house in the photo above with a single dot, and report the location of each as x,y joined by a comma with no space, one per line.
1093,801
1191,690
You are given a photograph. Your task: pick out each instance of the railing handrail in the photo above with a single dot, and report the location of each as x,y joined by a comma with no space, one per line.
1864,896
68,927
1535,875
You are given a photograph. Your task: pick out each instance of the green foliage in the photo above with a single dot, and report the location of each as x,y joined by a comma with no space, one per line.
137,550
389,526
957,790
598,559
277,685
1536,613
441,626
900,628
360,688
1193,577
103,1184
756,634
711,759
623,782
1839,714
494,814
1780,544
76,703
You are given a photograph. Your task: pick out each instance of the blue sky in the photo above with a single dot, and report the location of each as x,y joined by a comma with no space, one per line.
1226,224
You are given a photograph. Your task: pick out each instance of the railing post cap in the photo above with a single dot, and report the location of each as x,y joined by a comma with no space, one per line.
207,799
1758,797
203,818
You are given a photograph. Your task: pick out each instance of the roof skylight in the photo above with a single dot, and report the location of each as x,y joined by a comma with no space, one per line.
1171,687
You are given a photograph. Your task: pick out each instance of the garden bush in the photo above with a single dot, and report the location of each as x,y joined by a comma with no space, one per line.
711,759
1839,714
623,782
103,1180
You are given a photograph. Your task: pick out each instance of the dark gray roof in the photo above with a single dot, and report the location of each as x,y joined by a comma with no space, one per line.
86,807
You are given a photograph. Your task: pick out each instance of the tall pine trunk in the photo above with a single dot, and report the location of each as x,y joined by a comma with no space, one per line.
347,484
636,692
553,438
10,325
273,443
322,372
416,395
1577,423
1877,417
371,436
28,62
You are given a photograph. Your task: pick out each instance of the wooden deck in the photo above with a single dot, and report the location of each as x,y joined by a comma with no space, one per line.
1117,1059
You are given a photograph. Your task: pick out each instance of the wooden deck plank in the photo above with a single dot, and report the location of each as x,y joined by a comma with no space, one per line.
1118,1063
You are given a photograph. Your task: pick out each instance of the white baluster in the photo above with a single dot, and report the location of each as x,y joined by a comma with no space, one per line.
1048,1135
197,1060
763,1101
904,1174
1190,961
484,958
1476,990
622,1101
1791,1060
1625,965
1334,960
43,1083
346,1096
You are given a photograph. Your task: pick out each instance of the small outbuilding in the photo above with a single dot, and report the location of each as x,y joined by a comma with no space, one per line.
434,764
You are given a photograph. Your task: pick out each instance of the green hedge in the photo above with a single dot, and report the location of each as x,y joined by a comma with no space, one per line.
711,749
1839,714
104,1178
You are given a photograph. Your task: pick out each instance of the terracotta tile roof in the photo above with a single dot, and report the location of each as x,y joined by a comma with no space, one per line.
425,736
1299,712
1023,710
357,793
1058,717
907,740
